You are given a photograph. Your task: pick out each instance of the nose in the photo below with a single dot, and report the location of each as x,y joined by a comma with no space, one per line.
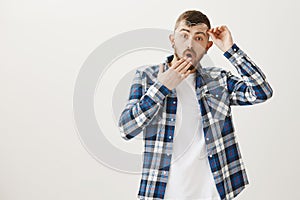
189,43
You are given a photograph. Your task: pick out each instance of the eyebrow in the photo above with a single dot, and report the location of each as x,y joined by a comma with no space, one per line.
198,32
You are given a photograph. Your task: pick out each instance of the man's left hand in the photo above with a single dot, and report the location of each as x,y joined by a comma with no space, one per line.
221,36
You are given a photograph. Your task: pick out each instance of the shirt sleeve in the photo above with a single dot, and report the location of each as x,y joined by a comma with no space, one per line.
252,87
141,106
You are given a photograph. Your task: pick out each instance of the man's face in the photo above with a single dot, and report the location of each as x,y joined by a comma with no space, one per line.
190,41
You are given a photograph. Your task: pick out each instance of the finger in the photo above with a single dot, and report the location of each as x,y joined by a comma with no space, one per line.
186,74
185,63
185,69
224,27
216,32
210,31
178,63
212,35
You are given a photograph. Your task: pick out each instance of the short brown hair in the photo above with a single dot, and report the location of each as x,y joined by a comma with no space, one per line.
193,17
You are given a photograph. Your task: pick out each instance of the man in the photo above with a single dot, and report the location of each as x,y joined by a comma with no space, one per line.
183,111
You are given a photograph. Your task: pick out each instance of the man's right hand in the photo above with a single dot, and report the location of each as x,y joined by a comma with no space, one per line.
175,74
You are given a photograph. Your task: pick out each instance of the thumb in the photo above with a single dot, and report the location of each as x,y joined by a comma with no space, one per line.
161,68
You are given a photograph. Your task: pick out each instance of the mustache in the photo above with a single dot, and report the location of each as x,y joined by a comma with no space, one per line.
189,52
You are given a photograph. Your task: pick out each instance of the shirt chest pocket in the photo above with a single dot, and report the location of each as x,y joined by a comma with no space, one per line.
217,99
218,93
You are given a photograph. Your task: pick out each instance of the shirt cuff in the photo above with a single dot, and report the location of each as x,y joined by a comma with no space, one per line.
235,55
231,51
158,92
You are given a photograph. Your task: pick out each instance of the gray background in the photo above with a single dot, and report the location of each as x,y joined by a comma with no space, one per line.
45,43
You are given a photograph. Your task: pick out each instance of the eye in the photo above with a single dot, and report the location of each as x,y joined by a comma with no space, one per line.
185,35
199,38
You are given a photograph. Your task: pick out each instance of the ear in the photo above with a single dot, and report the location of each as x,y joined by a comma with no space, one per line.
209,44
171,38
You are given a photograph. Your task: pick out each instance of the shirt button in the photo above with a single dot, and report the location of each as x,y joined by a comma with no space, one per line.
234,49
217,95
210,156
174,102
170,137
172,119
207,138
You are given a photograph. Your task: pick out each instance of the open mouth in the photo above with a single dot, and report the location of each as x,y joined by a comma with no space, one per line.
190,56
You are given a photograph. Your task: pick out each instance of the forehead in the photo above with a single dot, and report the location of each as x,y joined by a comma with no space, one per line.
195,28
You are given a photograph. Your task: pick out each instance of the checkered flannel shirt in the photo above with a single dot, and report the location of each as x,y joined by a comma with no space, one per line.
151,110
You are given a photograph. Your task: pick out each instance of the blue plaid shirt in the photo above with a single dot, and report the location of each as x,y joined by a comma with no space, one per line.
151,110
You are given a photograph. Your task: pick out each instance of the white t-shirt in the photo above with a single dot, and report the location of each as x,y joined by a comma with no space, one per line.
190,177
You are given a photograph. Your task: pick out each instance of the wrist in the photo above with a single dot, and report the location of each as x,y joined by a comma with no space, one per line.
227,47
